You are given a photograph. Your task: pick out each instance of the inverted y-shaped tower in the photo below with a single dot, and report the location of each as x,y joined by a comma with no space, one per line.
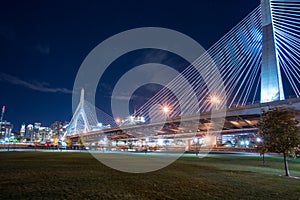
79,122
271,82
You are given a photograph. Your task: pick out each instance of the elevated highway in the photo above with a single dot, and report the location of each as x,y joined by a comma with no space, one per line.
239,120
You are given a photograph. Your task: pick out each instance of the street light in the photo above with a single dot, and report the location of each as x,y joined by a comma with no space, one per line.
214,100
118,120
166,110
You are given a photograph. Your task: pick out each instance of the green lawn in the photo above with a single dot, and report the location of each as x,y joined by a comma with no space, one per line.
59,175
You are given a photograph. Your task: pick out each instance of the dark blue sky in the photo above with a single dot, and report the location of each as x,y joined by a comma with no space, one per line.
43,43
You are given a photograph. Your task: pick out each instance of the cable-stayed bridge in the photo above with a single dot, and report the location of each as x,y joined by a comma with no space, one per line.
259,63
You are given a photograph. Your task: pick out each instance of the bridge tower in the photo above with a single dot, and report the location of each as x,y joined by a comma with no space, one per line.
271,82
79,122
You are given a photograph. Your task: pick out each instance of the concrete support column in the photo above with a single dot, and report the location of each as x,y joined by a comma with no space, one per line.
187,144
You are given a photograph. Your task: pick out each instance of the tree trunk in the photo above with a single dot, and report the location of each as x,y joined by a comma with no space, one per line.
286,166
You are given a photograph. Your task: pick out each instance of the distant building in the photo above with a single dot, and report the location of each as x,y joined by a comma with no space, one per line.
45,133
5,130
29,132
57,128
23,130
36,132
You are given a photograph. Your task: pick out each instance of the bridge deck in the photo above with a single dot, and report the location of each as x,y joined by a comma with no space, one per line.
234,120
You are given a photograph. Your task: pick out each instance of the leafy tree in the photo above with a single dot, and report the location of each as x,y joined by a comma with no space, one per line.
55,140
279,132
68,141
80,141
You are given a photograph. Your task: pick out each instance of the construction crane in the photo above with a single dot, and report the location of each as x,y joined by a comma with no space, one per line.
2,114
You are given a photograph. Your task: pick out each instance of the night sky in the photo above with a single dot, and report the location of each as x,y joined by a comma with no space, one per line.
43,43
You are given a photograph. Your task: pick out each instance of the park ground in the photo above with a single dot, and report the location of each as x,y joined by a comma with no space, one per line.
75,175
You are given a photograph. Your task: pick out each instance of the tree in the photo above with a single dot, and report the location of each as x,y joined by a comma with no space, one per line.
279,132
68,141
80,141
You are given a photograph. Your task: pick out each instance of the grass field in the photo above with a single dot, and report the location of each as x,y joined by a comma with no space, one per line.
59,175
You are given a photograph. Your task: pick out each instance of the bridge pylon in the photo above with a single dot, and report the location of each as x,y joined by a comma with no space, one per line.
271,82
79,122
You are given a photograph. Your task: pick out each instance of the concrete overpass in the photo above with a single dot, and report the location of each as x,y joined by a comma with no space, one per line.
235,121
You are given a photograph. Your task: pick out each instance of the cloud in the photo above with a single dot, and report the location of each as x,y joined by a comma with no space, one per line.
124,97
155,56
38,86
153,88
